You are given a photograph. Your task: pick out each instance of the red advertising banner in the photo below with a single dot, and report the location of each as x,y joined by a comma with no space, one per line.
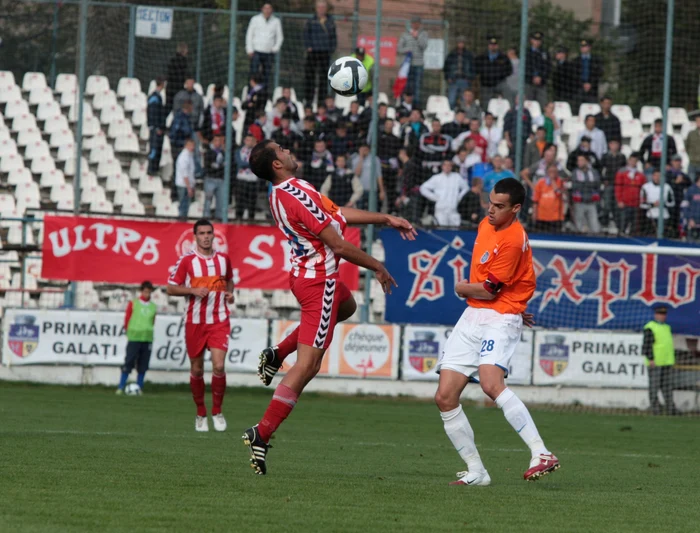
131,251
387,48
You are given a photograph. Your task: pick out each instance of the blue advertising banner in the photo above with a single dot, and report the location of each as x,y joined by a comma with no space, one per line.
575,289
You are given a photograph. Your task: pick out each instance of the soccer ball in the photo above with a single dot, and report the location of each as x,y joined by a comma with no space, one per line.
132,389
347,76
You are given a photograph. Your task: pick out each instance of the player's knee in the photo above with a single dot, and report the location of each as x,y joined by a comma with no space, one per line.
218,369
347,310
446,401
492,390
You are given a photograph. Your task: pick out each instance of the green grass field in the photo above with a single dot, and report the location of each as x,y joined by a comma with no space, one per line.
82,459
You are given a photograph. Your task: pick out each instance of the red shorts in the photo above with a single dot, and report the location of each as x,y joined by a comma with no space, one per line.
319,300
199,337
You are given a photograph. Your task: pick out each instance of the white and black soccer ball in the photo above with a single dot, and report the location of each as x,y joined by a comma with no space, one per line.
132,389
347,76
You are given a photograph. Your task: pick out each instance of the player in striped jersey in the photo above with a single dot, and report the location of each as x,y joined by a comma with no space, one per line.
205,277
314,228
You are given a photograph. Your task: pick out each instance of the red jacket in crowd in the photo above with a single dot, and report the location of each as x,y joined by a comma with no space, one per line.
628,183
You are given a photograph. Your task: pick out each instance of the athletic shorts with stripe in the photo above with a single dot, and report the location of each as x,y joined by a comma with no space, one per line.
319,300
199,337
481,337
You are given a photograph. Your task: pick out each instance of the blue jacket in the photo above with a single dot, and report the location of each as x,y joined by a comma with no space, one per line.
451,64
180,130
692,210
156,111
320,37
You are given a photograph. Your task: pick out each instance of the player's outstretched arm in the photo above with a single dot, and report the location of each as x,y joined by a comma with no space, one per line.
354,255
464,289
358,216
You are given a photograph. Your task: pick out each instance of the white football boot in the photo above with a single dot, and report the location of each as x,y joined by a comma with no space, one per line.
219,422
201,424
472,478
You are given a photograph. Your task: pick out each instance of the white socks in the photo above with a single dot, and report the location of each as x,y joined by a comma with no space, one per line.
462,436
519,417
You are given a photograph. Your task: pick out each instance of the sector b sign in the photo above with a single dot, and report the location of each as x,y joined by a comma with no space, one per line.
154,22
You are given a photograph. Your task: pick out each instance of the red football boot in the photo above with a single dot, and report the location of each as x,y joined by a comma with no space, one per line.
541,465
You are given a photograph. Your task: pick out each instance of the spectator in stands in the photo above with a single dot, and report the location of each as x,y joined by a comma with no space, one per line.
535,148
258,128
342,185
407,101
585,195
466,157
563,76
512,80
320,41
246,181
446,189
414,42
691,210
652,147
607,122
292,108
679,182
319,165
599,144
493,69
434,148
177,72
410,202
551,123
469,105
692,147
492,133
530,175
368,62
481,145
657,347
333,111
589,71
339,143
652,201
459,71
188,93
457,126
536,70
156,115
388,146
263,40
184,178
274,115
628,186
510,125
352,118
285,136
613,161
255,100
584,148
548,201
214,177
309,134
324,124
412,131
181,129
471,207
213,120
362,168
495,175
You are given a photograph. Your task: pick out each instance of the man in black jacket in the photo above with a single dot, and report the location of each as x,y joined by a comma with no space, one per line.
459,71
584,149
457,126
320,41
563,77
607,122
285,136
589,72
537,69
176,74
214,177
493,68
652,147
156,115
213,119
388,146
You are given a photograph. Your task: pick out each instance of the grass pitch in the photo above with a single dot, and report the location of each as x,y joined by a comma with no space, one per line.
82,459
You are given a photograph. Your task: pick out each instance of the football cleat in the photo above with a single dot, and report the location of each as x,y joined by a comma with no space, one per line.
258,450
201,424
541,465
472,478
219,422
268,365
119,392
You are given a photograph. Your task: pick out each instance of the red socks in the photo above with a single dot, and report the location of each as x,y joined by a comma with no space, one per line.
288,345
197,388
218,389
283,401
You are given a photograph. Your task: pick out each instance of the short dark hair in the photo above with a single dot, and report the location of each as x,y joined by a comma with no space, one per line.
590,116
658,121
160,80
202,222
547,146
636,155
146,285
606,97
487,114
261,158
513,188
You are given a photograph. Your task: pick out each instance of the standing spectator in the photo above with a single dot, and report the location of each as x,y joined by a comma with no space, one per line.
459,71
388,146
414,42
613,161
493,69
214,177
181,129
492,133
189,94
691,210
320,41
535,148
628,187
481,145
457,126
679,182
177,72
510,126
584,148
652,147
657,347
471,207
563,76
585,195
434,148
362,168
263,40
550,123
446,189
410,201
653,200
246,181
495,175
285,136
607,122
309,134
258,128
368,62
184,178
352,118
599,144
213,120
469,105
340,143
292,107
255,100
342,185
512,80
334,113
412,131
692,146
407,101
536,70
319,166
589,72
465,158
548,202
530,175
157,115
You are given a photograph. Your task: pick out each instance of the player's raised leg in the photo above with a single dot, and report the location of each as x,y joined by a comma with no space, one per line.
218,388
271,358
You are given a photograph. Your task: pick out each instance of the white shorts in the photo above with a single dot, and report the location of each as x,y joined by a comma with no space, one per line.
481,337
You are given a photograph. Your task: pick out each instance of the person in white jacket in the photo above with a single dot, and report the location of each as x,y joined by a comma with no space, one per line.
263,40
446,189
599,145
652,201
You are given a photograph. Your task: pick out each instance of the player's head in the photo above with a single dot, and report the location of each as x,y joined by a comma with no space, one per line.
204,235
658,126
660,313
505,200
270,162
146,290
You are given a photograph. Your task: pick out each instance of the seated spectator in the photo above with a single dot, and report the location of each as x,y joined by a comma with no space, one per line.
322,119
599,144
466,158
309,134
612,161
319,165
258,127
340,143
157,115
457,126
679,182
291,106
433,148
584,148
410,203
274,116
471,207
492,133
608,123
652,201
548,202
213,120
496,175
246,181
334,113
446,189
255,100
342,185
412,131
362,167
535,148
184,177
181,129
469,105
388,146
481,145
691,210
352,118
628,186
652,147
585,195
285,136
551,124
407,102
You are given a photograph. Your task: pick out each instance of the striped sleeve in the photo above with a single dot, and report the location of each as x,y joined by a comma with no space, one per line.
179,273
301,208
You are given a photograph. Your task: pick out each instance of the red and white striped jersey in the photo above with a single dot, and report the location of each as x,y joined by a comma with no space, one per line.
214,273
301,213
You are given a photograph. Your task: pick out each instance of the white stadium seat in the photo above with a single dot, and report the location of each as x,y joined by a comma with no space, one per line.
150,184
562,110
37,149
128,86
26,137
139,118
101,153
677,116
92,194
104,99
88,179
27,189
127,144
571,126
137,169
636,141
116,182
32,80
111,113
69,98
631,128
4,132
133,208
19,175
65,204
108,167
144,133
24,122
15,108
118,128
10,162
96,84
101,207
47,110
69,168
10,93
8,147
61,138
51,178
96,140
437,104
167,210
17,237
649,113
162,198
56,123
40,95
680,143
135,101
65,152
61,192
7,203
91,126
42,164
498,107
6,77
623,112
533,106
125,196
66,82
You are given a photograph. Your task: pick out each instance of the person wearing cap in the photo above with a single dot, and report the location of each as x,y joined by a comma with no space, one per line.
414,42
537,69
679,182
139,319
563,76
459,71
660,356
368,62
263,40
493,68
589,71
